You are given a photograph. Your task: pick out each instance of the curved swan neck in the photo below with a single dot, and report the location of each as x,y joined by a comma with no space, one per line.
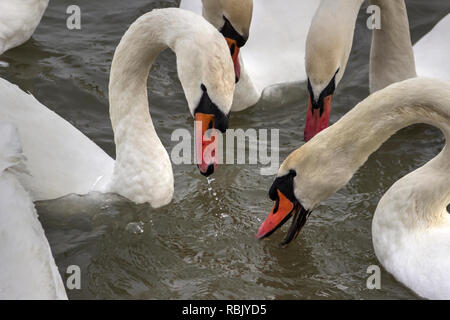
143,170
133,59
368,125
391,55
340,150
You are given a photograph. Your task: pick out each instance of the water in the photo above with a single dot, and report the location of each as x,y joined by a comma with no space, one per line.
202,245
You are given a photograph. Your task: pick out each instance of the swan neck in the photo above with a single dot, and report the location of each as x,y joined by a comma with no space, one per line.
130,68
350,141
341,149
391,56
329,41
417,100
143,171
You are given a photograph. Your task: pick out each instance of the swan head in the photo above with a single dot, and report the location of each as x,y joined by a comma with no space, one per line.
328,47
301,184
206,74
233,19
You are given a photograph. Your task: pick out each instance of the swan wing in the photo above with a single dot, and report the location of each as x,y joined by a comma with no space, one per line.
27,267
61,160
431,52
18,20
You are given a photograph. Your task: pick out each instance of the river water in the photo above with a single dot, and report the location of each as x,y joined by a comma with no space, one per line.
202,245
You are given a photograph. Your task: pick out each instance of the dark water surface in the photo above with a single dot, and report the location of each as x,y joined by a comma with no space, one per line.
202,245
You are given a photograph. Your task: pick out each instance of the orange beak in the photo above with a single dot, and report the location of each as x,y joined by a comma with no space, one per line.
317,119
205,145
281,212
234,51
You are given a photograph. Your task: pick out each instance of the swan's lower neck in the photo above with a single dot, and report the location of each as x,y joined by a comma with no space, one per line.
391,56
143,171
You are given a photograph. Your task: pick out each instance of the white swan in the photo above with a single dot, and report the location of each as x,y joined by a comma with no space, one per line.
18,21
27,267
329,44
411,226
431,52
275,48
62,160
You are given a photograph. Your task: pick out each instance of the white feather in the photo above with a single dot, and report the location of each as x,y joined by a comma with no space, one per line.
18,21
27,267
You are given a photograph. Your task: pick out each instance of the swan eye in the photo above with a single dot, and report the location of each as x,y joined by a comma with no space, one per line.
203,88
448,208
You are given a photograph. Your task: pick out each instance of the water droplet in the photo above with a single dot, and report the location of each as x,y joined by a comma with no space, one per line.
4,64
341,287
135,227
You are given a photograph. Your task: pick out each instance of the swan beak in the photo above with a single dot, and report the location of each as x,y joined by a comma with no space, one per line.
280,214
317,117
234,50
205,143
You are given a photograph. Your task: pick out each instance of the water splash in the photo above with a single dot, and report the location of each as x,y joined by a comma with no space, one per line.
135,227
214,195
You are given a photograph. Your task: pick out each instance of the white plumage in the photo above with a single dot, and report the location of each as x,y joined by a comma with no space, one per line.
431,52
275,51
411,226
27,267
18,21
62,160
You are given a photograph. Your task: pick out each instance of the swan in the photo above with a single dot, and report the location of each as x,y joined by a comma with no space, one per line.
62,160
27,267
273,54
431,51
392,56
411,226
18,21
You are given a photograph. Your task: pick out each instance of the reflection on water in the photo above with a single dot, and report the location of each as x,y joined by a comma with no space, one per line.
202,245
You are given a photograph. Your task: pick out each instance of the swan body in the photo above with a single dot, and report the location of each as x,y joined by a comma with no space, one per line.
62,160
18,21
27,267
411,238
431,52
411,226
274,52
